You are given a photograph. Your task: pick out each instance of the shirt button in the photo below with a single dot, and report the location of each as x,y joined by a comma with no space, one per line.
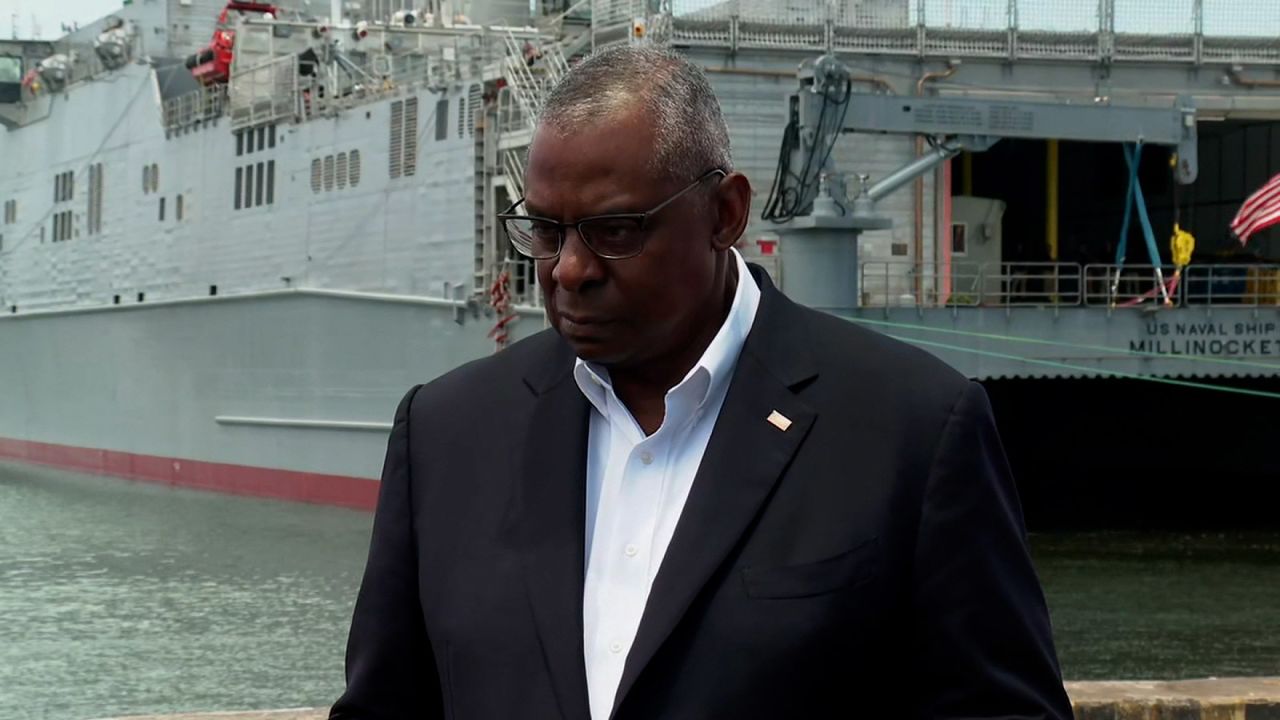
646,457
615,647
631,550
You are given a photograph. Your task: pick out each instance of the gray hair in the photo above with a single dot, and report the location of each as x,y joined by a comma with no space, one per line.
691,135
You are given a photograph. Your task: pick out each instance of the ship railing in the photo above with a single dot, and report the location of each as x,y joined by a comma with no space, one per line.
959,283
511,115
1031,284
1236,285
1190,31
189,109
1122,286
903,283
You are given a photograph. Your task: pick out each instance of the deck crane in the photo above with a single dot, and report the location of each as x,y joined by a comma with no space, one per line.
820,216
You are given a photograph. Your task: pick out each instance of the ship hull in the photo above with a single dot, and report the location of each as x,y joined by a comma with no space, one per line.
285,394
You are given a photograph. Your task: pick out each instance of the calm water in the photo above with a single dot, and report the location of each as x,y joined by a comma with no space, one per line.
119,598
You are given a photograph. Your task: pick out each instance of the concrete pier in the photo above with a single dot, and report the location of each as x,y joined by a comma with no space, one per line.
1210,699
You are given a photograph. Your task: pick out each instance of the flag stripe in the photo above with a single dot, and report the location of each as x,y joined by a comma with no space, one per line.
1259,211
1259,199
1262,222
1262,195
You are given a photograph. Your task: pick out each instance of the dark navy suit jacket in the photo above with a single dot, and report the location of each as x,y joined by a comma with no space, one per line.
869,561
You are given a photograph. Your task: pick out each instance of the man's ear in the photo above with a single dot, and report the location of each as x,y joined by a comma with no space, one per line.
733,209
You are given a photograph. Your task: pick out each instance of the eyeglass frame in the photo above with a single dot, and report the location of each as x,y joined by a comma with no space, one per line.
562,227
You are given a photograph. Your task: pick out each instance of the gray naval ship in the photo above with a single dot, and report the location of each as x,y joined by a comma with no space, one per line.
234,234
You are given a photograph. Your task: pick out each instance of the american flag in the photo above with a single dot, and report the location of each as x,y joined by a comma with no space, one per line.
1259,212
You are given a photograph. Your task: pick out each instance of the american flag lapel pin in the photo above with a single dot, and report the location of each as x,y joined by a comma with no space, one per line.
780,421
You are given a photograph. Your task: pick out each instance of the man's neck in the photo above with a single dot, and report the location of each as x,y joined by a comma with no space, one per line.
643,389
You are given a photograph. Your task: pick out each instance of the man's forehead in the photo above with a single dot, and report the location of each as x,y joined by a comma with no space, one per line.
601,163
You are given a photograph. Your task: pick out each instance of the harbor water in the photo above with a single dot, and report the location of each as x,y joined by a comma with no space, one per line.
120,598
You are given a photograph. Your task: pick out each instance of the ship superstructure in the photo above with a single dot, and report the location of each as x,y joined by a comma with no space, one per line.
234,234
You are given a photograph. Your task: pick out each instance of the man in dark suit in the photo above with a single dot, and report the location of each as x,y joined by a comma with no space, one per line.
691,498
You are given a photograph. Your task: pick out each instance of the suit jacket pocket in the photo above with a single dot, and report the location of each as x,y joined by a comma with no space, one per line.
848,569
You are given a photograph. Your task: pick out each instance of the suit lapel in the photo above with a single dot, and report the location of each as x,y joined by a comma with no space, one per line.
745,456
548,516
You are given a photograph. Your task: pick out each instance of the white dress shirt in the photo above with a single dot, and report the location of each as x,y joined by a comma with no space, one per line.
637,486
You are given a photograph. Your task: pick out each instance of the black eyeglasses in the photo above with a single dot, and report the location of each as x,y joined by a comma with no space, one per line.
616,236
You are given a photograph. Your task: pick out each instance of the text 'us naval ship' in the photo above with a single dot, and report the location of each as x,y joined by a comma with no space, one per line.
234,233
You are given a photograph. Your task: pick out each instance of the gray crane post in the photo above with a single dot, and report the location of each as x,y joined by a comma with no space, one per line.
820,250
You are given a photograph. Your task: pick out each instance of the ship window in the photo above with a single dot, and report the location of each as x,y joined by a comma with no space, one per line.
248,186
239,184
342,170
959,239
262,138
161,209
410,136
260,186
271,182
70,185
395,147
146,179
10,212
353,171
10,69
315,175
328,172
177,208
239,143
442,118
271,136
248,143
155,177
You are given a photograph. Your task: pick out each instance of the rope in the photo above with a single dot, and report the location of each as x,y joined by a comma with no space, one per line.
500,301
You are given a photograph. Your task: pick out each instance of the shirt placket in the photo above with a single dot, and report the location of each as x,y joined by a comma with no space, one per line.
634,516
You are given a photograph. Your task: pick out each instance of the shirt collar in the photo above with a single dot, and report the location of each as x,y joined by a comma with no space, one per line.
713,369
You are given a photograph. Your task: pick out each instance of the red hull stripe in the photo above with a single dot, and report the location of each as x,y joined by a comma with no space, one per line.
339,490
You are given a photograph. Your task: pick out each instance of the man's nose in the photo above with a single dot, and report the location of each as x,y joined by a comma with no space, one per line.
577,265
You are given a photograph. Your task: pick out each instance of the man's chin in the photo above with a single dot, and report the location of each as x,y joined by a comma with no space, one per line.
595,350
